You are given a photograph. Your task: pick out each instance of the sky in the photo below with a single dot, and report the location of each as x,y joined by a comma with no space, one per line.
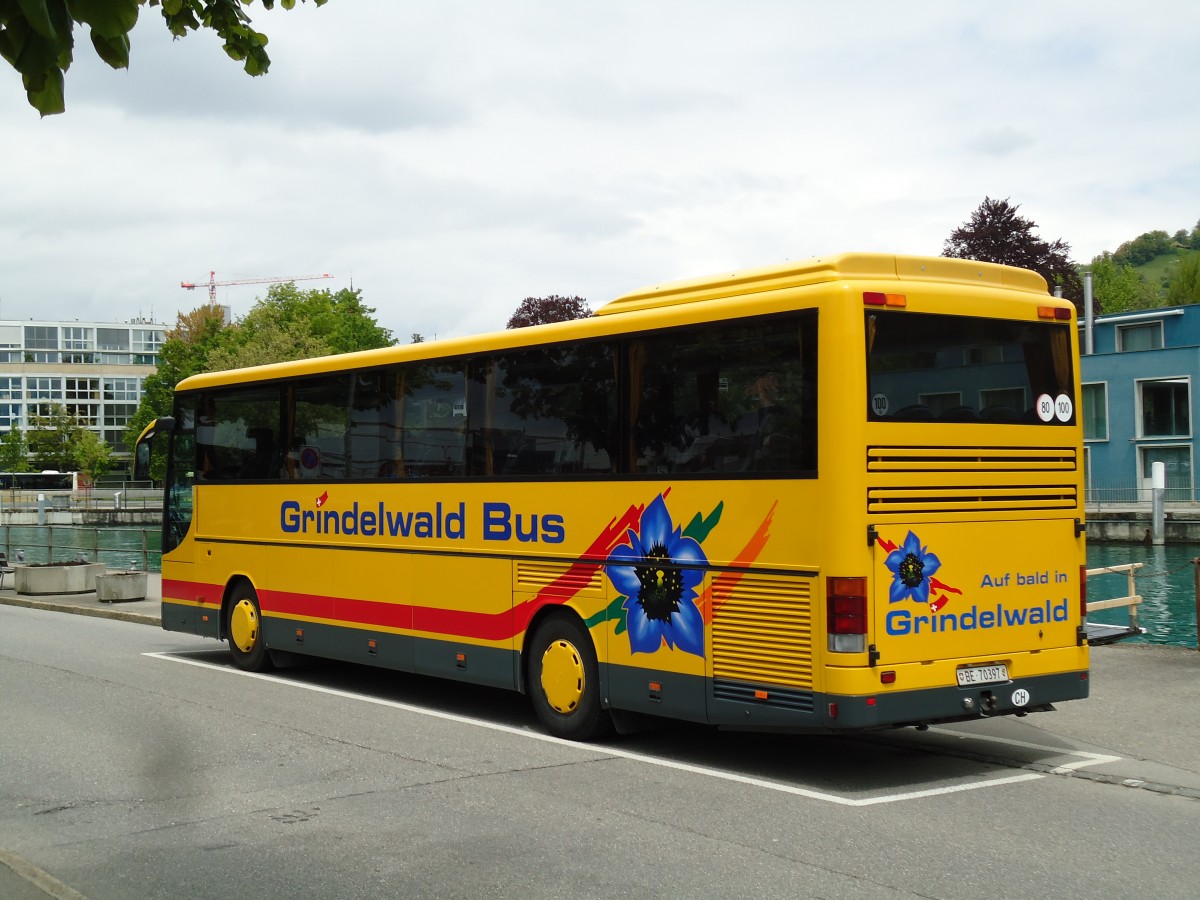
450,159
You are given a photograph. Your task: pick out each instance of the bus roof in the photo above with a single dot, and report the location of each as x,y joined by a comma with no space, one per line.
843,267
846,266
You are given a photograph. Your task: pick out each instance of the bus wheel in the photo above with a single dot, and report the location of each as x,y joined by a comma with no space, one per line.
564,681
246,643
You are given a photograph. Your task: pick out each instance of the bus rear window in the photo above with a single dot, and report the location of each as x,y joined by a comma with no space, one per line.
923,367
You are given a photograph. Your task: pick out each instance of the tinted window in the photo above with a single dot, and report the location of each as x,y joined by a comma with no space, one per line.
729,397
546,411
238,435
999,368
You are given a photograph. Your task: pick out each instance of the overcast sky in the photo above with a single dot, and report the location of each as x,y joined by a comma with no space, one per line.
452,158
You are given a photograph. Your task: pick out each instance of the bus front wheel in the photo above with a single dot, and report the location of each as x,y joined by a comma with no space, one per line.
246,644
564,681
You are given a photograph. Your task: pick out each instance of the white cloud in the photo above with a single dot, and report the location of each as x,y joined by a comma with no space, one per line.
454,158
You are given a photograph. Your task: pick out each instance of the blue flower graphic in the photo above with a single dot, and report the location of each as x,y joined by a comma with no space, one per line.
658,572
912,566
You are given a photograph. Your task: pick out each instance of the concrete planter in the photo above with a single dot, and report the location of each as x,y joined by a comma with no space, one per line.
68,579
119,587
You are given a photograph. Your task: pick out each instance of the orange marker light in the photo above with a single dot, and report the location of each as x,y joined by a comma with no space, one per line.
878,298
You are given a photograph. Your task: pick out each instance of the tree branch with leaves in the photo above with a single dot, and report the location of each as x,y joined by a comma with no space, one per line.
37,37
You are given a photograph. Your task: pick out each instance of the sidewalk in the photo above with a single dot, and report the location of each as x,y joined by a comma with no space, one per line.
145,612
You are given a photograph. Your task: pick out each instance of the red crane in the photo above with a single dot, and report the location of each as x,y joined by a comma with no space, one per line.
212,284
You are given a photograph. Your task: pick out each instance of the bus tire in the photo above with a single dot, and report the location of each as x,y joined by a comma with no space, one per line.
244,630
564,681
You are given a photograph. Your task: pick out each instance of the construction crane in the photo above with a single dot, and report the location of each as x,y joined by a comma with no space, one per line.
212,284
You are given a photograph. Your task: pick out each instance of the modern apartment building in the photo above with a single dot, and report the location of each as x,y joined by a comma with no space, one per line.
96,370
1139,403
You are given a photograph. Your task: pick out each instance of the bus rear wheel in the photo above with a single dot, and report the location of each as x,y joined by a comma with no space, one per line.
564,681
244,631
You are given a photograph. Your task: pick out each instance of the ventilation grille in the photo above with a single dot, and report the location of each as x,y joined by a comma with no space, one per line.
533,575
971,479
762,633
972,459
784,698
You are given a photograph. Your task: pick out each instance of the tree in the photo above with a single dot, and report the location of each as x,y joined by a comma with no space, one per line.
37,36
542,310
995,233
296,324
1144,248
14,451
52,439
1185,286
92,457
1119,288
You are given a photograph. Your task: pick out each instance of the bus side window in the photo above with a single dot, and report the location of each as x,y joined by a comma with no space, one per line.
317,447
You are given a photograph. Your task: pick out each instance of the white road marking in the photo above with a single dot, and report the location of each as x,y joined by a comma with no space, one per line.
1086,759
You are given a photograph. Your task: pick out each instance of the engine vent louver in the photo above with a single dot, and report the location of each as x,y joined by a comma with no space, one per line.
971,479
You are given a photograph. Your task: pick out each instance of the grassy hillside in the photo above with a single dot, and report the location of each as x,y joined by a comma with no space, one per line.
1159,271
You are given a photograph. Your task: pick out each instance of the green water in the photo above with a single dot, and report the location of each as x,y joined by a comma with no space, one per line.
116,547
1166,583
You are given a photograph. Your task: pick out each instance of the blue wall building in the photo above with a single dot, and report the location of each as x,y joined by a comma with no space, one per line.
1137,402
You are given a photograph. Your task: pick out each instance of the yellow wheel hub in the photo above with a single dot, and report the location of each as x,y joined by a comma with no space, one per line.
243,625
562,676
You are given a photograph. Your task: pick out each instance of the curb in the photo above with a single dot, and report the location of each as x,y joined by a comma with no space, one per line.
120,615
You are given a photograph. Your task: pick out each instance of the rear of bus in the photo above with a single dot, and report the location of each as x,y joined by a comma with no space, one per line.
964,596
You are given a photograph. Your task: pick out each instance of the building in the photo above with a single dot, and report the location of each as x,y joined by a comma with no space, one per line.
1138,396
96,370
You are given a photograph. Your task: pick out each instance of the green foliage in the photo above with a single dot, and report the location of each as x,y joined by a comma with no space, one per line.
37,36
297,324
995,233
542,310
1119,288
52,439
14,451
1144,248
1185,286
92,457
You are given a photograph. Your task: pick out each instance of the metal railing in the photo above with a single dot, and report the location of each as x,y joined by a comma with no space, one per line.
1131,601
116,546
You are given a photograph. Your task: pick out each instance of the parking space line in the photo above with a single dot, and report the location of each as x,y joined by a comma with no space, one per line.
690,768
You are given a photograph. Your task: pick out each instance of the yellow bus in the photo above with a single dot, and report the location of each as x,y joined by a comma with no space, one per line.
831,495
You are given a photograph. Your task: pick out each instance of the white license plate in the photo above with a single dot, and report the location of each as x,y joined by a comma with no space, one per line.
982,674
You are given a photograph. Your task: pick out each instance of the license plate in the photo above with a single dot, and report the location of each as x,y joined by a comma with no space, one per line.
982,674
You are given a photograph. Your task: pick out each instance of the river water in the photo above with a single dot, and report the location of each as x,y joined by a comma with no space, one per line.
116,547
1166,583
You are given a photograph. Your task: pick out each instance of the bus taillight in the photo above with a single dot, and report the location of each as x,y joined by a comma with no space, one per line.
878,298
846,604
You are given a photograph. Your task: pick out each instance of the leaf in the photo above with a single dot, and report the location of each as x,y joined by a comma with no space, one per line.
109,18
47,99
38,16
114,51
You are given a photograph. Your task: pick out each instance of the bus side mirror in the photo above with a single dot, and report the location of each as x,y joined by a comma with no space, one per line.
141,452
141,462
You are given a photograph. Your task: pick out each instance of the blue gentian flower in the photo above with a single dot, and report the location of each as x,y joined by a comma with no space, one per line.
658,572
912,566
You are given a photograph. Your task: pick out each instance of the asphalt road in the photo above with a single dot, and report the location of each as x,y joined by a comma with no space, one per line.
138,764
